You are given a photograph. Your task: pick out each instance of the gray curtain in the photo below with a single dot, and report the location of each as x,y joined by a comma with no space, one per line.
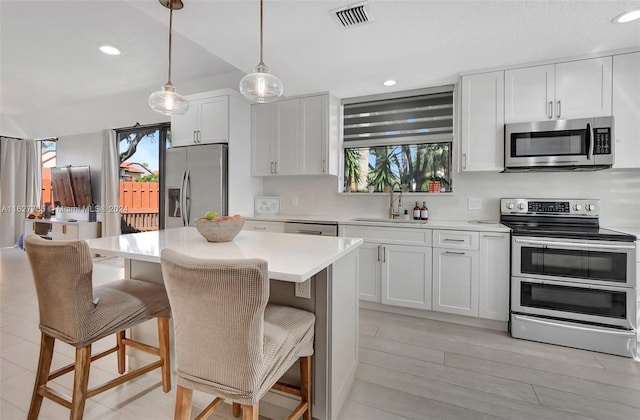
20,185
110,185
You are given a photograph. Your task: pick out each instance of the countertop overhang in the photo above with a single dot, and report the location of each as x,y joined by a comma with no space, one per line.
293,258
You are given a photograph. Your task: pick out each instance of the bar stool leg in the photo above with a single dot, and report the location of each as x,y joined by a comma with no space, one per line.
42,375
305,384
121,351
163,340
251,412
237,409
80,382
184,397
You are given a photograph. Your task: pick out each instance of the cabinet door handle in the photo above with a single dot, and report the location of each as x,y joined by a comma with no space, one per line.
379,248
270,167
64,229
276,165
455,253
550,110
464,161
384,254
492,236
194,137
559,108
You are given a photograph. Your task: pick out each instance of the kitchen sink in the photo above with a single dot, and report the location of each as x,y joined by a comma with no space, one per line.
385,220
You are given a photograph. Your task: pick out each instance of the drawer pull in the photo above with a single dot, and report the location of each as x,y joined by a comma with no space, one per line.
260,228
454,240
456,253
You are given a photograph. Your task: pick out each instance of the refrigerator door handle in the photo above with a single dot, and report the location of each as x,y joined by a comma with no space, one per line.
187,198
182,196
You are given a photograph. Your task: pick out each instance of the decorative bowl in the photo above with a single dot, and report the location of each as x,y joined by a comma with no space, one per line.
219,230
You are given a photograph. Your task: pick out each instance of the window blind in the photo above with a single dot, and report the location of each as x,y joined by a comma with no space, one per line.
417,118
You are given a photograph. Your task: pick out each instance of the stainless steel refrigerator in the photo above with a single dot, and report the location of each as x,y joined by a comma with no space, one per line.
196,182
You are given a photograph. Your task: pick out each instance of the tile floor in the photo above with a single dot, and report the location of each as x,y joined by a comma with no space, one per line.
410,369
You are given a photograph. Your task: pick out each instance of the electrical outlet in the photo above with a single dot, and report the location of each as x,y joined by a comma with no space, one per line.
303,290
475,204
294,201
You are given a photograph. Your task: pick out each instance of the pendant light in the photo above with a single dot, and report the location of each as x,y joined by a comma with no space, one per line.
167,101
260,86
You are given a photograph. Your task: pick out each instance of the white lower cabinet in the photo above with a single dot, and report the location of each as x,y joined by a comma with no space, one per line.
455,281
406,276
369,284
395,265
459,272
493,281
455,272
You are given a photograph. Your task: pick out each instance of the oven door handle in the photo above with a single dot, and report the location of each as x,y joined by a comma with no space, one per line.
575,245
574,327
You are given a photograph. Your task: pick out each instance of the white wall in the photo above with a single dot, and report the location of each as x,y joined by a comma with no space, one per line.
109,112
618,190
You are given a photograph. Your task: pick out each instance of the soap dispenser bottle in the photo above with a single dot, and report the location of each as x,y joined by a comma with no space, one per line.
416,212
424,211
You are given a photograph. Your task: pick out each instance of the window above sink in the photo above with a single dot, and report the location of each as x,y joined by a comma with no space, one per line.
399,142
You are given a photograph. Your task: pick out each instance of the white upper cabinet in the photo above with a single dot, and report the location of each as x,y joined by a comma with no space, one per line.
626,109
301,133
482,122
286,159
263,139
529,93
314,141
206,121
573,89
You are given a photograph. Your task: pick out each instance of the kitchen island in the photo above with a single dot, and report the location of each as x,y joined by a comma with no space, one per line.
327,267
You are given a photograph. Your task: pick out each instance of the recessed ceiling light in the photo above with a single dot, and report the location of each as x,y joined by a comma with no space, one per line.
109,50
389,82
627,16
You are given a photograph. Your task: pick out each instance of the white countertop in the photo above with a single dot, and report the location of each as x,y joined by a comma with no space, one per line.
477,225
293,258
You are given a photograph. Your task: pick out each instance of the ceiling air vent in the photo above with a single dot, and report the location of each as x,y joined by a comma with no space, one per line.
353,15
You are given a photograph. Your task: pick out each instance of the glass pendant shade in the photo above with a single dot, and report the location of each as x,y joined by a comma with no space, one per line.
168,102
260,86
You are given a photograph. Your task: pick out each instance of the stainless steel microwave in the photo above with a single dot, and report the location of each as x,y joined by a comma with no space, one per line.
563,145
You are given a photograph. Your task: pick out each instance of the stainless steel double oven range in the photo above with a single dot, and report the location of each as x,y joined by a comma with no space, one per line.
572,282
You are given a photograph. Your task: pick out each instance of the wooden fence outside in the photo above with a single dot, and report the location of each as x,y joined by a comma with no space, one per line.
139,204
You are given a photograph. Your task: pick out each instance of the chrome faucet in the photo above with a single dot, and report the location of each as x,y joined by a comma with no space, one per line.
392,212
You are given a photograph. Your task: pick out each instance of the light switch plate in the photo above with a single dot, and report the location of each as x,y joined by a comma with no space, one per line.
475,204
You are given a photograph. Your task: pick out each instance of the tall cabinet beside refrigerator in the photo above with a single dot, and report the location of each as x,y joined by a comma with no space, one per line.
196,182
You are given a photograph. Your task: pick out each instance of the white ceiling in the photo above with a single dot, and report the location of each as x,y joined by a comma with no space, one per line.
49,56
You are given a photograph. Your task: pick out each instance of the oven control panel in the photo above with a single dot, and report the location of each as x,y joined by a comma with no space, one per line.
551,206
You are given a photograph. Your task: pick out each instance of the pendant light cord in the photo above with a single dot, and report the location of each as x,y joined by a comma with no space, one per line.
170,32
261,62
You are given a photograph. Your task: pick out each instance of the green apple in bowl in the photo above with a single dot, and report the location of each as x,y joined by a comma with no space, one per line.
211,215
